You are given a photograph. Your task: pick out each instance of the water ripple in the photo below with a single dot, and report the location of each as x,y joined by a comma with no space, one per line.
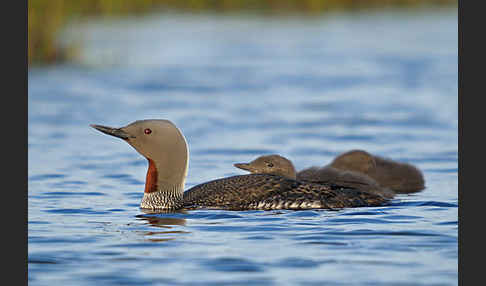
231,264
425,203
67,194
87,211
46,177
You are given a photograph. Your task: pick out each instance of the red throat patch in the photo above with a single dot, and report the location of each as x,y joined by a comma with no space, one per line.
151,180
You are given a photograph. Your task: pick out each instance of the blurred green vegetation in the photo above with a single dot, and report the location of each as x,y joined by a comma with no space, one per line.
47,17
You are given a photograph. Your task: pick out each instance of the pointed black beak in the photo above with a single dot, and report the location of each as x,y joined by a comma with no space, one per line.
117,132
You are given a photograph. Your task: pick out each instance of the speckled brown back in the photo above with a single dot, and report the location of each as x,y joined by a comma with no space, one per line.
264,191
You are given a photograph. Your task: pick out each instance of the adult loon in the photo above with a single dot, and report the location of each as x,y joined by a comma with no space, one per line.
165,148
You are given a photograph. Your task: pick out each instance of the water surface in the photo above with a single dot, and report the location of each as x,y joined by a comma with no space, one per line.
240,87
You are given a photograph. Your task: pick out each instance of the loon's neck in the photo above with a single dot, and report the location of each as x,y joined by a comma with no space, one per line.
164,187
166,197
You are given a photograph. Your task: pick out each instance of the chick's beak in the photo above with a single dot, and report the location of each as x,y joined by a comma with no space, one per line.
243,166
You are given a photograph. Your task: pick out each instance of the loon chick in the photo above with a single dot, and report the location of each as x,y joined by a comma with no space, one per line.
281,166
270,164
400,177
165,148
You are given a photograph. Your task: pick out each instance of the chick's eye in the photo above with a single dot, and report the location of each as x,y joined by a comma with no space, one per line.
270,165
147,131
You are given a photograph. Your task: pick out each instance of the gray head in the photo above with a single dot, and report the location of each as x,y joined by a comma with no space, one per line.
164,146
270,164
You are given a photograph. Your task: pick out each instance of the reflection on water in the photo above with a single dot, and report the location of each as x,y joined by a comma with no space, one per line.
239,88
165,222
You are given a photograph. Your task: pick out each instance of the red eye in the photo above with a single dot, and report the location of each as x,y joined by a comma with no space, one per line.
147,131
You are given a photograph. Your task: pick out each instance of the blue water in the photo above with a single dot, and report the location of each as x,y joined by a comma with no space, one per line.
239,87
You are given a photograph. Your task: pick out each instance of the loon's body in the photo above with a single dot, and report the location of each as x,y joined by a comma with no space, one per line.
165,148
398,176
265,192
